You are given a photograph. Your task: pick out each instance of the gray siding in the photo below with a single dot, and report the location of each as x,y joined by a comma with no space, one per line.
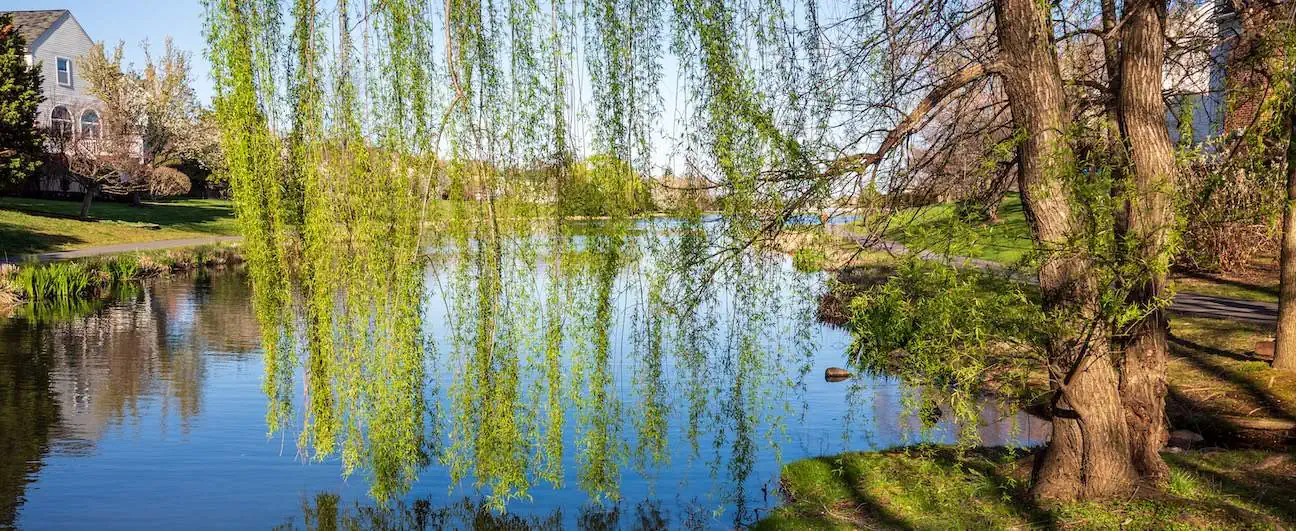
67,39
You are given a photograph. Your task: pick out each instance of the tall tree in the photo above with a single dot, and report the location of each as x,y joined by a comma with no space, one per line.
772,135
148,121
20,94
1148,223
1285,339
1088,453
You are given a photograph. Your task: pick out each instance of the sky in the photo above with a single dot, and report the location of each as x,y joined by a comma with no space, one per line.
136,21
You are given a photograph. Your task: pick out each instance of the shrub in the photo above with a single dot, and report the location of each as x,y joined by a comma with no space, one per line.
168,181
1226,211
809,259
1224,247
972,211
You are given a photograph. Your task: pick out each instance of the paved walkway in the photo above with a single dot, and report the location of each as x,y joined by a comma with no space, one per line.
1185,303
122,248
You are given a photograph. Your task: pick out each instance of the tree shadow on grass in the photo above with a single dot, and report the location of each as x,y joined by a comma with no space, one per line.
17,241
1205,359
181,215
908,488
1219,279
1271,489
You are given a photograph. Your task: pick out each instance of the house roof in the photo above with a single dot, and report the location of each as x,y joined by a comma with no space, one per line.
32,24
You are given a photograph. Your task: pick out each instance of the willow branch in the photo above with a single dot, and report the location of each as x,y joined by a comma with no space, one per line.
911,122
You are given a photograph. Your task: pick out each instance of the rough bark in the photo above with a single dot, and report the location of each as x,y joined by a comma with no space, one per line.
1285,341
86,199
1149,218
1088,456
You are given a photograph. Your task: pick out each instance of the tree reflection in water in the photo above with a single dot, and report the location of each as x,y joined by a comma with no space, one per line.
328,512
69,371
589,335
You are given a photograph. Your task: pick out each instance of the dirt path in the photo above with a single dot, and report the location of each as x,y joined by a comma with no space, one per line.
122,248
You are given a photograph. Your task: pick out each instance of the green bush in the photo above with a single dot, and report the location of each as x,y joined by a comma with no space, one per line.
972,211
809,259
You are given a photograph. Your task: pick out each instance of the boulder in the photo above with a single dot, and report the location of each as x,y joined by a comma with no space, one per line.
1185,439
1265,349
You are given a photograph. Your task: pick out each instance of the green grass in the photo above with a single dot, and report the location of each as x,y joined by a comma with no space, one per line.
939,488
1253,289
62,289
42,225
1219,387
935,228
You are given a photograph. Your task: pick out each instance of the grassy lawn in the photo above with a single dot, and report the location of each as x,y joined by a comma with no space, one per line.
42,225
940,488
935,228
1220,388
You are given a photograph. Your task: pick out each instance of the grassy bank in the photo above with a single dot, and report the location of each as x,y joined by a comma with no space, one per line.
941,488
936,228
64,283
1219,387
30,226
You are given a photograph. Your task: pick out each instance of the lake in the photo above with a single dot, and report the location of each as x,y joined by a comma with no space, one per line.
149,409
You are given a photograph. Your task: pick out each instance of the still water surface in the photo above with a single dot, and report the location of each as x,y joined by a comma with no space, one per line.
149,413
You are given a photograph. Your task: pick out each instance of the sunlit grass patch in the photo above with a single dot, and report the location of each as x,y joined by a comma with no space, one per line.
937,228
939,488
29,226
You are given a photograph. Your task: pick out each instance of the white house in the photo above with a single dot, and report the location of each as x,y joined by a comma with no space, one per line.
56,41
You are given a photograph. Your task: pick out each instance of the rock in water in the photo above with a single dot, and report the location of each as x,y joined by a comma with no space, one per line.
836,374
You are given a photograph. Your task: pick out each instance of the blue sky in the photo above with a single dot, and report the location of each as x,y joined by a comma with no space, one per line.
136,21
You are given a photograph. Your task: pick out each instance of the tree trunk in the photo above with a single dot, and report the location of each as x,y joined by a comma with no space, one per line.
1149,218
86,199
1285,341
1088,455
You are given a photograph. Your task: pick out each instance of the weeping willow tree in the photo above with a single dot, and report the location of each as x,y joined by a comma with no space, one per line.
396,168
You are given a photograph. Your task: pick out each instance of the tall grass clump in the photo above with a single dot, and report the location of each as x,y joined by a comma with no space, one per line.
122,268
63,282
60,280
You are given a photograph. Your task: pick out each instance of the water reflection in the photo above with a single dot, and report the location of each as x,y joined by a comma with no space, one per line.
569,356
589,388
328,511
66,379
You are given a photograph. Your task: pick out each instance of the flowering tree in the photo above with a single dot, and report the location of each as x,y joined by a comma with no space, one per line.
149,123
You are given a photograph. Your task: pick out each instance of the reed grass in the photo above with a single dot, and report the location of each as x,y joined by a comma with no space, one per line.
55,284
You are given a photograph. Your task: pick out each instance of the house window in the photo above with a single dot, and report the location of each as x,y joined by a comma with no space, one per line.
90,127
64,71
61,120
